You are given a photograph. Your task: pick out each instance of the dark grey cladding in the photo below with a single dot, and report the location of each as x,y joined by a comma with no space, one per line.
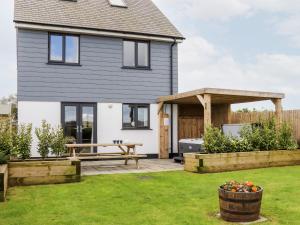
100,78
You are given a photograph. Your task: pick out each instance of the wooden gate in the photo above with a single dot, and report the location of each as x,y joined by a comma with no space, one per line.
163,136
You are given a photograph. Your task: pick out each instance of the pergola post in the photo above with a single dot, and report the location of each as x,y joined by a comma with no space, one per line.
163,132
205,101
207,110
278,111
229,113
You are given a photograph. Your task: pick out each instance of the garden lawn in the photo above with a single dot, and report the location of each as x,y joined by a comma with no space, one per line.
166,198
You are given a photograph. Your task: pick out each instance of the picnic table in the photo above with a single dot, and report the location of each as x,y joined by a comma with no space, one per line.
128,151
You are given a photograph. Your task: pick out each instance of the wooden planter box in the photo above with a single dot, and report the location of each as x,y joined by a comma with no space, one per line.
33,172
3,182
219,162
240,207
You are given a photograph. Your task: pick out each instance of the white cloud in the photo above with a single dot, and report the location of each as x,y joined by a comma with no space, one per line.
203,65
201,62
215,9
218,10
285,6
290,27
223,10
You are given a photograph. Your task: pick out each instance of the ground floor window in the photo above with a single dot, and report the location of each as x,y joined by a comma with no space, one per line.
136,116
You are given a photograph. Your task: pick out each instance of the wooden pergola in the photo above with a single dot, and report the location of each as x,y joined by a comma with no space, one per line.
210,99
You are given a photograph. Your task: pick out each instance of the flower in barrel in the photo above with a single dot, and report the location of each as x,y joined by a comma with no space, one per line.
245,187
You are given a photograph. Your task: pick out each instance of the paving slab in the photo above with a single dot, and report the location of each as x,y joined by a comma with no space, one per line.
118,167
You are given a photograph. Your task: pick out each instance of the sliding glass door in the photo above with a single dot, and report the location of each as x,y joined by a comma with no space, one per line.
79,120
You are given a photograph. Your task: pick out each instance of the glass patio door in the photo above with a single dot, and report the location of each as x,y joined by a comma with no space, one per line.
79,120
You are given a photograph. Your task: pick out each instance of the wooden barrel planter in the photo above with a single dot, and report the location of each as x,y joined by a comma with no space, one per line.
240,206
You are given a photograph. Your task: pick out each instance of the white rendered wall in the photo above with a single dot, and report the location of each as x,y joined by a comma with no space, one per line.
34,113
109,123
110,128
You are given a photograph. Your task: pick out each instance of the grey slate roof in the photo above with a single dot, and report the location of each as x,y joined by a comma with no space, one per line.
141,16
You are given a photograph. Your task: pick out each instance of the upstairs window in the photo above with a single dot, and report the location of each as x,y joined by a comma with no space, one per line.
136,116
136,54
63,49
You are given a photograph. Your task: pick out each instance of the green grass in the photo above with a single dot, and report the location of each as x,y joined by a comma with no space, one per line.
167,198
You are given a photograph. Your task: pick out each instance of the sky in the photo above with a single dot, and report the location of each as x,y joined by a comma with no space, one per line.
237,44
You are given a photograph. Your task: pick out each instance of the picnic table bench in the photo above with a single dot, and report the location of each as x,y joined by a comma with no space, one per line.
127,152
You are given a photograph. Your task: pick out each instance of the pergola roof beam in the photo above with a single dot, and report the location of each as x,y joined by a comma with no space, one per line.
220,96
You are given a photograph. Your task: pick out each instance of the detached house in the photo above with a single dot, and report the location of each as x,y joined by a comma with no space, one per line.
96,67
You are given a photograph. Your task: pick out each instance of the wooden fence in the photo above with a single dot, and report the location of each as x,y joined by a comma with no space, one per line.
290,116
190,127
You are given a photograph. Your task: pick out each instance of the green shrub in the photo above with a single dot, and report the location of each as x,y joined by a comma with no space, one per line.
58,142
268,135
15,141
43,135
255,138
228,143
22,141
6,142
241,145
3,158
286,140
216,142
263,137
251,135
213,140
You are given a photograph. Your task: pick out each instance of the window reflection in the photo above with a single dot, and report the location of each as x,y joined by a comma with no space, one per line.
143,54
135,116
128,116
71,121
64,48
56,45
129,53
136,54
87,124
72,45
142,117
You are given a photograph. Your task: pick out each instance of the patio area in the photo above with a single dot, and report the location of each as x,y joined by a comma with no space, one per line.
117,166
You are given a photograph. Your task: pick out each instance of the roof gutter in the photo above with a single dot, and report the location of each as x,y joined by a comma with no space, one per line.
91,31
171,66
171,92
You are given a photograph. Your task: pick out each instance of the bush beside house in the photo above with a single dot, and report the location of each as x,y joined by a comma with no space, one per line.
5,142
43,135
22,142
16,142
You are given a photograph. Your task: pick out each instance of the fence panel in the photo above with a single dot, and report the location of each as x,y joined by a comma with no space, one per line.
290,116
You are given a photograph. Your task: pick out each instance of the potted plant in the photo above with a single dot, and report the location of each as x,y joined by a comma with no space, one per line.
240,202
